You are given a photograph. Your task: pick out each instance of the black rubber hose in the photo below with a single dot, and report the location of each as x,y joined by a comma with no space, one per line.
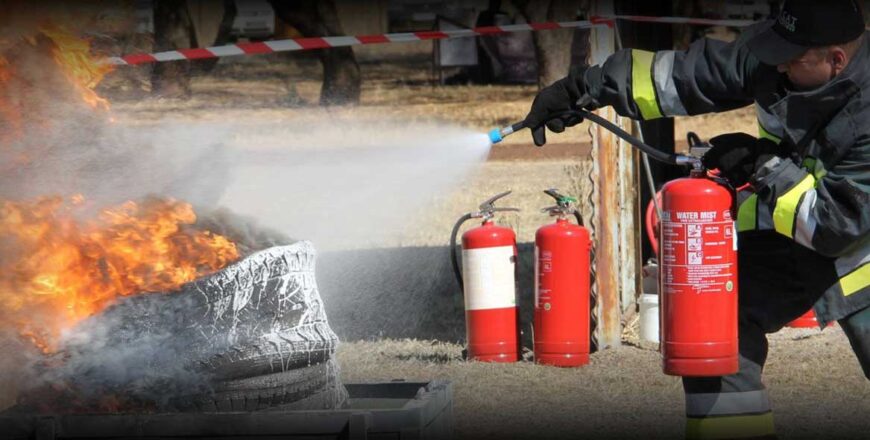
692,139
454,257
579,218
656,154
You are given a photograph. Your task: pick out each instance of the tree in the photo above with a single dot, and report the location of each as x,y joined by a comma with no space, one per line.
174,29
313,18
553,47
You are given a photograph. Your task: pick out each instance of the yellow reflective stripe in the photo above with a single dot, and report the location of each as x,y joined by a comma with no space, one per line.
856,280
730,427
787,204
643,90
746,213
763,133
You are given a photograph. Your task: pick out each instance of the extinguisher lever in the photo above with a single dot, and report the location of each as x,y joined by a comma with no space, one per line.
489,204
554,210
487,208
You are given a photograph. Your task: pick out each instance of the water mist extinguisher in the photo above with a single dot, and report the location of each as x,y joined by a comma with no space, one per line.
698,277
488,281
562,279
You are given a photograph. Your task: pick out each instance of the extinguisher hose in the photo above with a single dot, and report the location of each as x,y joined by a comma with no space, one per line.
578,217
454,255
652,152
498,134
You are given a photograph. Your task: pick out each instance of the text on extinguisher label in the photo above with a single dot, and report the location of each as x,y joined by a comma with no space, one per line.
543,265
698,252
488,274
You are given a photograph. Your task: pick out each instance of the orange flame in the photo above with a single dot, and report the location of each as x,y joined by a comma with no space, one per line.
56,266
65,270
82,68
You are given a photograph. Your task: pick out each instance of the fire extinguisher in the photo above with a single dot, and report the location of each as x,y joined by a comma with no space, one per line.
698,263
488,282
698,274
562,279
696,267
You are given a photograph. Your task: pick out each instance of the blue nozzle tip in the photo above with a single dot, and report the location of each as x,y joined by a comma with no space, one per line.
495,136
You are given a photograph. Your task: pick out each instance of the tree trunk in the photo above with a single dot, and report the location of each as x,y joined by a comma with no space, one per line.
173,29
552,47
341,76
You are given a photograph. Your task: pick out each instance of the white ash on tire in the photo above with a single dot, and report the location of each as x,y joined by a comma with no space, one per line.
251,336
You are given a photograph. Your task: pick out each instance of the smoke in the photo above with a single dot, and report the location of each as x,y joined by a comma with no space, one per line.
341,183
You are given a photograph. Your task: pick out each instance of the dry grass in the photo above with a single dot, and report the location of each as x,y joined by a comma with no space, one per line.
282,87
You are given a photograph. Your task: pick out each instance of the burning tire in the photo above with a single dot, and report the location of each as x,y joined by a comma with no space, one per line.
251,336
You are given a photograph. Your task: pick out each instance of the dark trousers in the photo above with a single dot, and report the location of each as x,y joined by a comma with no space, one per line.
779,281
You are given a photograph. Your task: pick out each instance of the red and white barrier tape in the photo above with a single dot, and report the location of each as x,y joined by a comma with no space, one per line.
295,44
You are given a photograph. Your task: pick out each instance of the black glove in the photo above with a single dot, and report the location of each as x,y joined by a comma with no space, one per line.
553,101
739,155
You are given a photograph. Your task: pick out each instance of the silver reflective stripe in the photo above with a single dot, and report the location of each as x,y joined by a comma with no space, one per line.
848,263
805,221
663,75
720,404
769,122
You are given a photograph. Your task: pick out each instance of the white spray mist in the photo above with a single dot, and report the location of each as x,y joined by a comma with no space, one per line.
350,185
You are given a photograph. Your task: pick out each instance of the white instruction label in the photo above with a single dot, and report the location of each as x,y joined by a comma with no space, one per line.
488,274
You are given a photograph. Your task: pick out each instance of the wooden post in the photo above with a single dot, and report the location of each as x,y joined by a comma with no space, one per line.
615,169
657,132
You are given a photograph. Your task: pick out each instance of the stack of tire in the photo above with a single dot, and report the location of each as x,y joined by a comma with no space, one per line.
250,337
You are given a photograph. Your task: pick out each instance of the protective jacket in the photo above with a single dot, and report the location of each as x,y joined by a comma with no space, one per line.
818,197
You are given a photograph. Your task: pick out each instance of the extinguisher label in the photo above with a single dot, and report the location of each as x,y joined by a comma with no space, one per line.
543,265
488,274
698,252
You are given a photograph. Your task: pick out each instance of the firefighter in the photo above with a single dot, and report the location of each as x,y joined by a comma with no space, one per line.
805,226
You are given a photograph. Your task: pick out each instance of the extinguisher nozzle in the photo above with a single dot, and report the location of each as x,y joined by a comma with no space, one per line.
495,136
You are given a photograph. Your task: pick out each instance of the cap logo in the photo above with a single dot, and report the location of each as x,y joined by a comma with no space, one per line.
787,21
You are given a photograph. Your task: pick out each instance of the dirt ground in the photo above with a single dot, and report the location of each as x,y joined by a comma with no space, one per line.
816,384
816,389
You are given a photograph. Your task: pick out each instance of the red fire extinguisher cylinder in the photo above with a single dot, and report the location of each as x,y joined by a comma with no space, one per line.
698,278
488,265
562,294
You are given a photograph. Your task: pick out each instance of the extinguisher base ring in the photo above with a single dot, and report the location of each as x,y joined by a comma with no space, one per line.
701,367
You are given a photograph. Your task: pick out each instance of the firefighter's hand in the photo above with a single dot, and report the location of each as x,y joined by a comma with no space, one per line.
549,107
738,156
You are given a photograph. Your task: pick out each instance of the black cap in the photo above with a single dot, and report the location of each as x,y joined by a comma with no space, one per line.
803,24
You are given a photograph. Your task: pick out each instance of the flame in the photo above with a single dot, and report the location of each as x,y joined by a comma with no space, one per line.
84,70
65,269
59,264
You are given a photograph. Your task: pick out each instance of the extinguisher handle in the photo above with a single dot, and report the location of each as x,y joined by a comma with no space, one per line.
489,204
